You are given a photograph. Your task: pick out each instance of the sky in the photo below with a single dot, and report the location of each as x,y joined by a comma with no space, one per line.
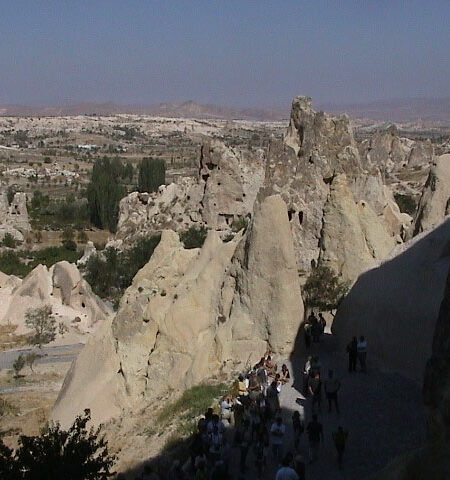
226,52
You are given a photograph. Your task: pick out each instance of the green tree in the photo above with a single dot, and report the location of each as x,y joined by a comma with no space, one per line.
42,322
79,453
323,290
152,174
194,237
9,241
103,194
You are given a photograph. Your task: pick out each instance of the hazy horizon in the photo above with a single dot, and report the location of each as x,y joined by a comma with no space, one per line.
241,54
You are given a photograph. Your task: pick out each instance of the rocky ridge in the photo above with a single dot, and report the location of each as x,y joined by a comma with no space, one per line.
316,148
62,287
189,314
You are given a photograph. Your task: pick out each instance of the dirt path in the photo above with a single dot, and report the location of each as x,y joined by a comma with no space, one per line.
383,413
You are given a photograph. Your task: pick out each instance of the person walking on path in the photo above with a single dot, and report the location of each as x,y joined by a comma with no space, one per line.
286,472
352,350
332,386
362,353
315,389
315,436
298,428
277,431
339,439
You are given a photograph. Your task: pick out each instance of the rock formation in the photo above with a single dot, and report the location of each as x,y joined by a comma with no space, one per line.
316,148
188,315
390,152
62,287
225,190
434,202
395,306
14,218
353,238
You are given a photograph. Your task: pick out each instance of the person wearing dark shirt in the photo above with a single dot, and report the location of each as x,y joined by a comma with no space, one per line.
315,389
315,436
352,351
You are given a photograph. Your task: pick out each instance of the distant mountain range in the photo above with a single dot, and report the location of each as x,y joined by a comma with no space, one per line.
177,110
425,109
402,110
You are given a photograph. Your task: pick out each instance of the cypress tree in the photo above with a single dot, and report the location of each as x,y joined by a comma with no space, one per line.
152,174
104,193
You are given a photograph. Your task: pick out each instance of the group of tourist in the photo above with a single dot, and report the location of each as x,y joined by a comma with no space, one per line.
249,422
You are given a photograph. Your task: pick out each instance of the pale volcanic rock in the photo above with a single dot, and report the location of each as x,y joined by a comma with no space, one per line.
190,313
88,252
395,305
61,287
390,152
322,146
434,202
231,183
14,218
175,206
268,305
354,238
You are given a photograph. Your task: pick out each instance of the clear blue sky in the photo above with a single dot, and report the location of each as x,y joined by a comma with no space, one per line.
238,53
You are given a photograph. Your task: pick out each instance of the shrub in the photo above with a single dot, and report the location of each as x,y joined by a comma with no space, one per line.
78,453
7,408
11,264
43,323
238,224
31,358
9,241
194,237
406,203
18,365
70,245
111,273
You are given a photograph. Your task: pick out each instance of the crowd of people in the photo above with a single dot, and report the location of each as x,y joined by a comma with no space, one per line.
248,430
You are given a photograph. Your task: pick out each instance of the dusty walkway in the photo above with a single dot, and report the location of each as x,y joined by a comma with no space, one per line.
382,412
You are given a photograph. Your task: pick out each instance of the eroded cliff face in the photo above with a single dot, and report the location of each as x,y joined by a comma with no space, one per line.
317,147
190,314
62,287
435,199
